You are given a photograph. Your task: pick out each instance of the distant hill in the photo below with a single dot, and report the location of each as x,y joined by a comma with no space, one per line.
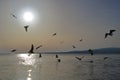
100,50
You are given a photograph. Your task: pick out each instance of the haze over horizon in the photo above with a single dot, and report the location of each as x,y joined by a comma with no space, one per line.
70,19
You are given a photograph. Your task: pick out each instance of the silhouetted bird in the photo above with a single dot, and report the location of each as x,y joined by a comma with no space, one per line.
31,50
110,33
14,16
39,47
79,58
56,56
106,58
13,50
81,40
91,61
73,46
26,27
90,51
59,60
40,55
54,34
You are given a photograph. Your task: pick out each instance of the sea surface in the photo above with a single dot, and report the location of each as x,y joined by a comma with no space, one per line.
24,67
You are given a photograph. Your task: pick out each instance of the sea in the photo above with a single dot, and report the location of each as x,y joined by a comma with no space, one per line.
47,67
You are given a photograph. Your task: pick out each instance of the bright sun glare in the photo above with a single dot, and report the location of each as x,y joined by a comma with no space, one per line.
28,16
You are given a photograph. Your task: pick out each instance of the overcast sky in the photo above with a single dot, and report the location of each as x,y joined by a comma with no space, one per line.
70,19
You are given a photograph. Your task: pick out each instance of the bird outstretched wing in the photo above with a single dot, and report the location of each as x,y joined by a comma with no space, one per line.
78,58
106,35
111,31
31,50
73,46
54,34
38,47
13,15
13,50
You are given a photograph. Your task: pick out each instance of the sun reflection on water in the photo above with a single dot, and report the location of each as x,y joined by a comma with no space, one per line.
26,60
29,72
29,78
29,75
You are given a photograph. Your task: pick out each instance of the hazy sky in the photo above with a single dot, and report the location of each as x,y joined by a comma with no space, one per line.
70,19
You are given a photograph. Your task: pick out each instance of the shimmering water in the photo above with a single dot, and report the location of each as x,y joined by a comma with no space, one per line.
24,67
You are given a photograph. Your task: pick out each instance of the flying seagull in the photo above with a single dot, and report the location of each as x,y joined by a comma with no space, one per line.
73,46
56,56
14,16
13,50
105,58
91,61
54,34
31,50
39,47
40,55
110,33
81,40
79,58
59,60
26,27
90,51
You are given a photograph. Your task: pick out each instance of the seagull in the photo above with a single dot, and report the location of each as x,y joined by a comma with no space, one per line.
106,58
31,50
110,33
40,55
39,47
91,61
79,58
56,56
81,40
54,34
59,60
90,51
14,16
73,46
13,50
26,27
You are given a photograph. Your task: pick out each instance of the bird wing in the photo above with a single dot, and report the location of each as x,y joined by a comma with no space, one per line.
111,32
38,47
54,34
13,50
41,45
106,35
31,50
73,46
78,58
105,58
26,26
14,16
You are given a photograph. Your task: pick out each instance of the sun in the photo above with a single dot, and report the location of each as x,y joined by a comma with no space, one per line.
28,16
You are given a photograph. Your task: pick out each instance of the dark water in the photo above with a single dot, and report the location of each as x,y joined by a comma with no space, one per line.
24,67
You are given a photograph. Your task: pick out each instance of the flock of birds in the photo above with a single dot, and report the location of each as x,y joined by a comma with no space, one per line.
73,46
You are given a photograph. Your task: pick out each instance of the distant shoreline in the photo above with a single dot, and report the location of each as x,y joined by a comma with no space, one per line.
96,51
